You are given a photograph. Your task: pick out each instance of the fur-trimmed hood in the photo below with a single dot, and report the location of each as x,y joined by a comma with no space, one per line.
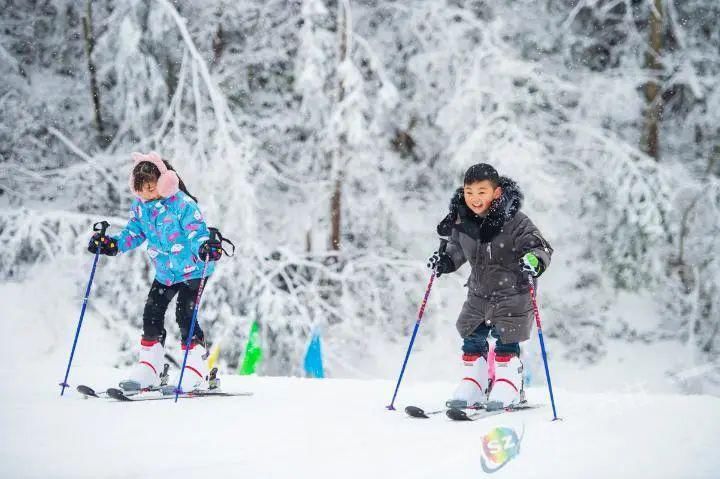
504,207
484,228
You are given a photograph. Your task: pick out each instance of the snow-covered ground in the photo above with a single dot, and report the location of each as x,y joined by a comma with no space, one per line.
339,428
295,427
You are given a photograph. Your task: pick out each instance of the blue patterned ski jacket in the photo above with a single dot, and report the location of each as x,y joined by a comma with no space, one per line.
174,229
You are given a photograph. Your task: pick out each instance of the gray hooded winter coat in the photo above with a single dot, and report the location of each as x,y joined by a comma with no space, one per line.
498,289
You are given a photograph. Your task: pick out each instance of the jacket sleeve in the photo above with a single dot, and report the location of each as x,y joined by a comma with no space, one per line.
454,250
528,239
193,225
132,235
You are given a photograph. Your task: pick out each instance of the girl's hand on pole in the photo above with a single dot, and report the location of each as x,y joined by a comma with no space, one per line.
211,250
103,244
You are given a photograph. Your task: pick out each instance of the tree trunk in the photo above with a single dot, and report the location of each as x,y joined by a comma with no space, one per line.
94,89
336,200
335,214
218,44
653,114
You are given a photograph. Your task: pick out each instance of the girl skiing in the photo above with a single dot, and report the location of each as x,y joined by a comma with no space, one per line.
488,230
179,244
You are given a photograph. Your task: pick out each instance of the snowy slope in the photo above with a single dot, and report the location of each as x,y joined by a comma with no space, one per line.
339,428
311,428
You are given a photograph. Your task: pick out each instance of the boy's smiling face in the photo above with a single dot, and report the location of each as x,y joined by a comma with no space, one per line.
479,196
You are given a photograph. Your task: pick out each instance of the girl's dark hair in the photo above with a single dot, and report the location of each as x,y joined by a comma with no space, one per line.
147,172
480,172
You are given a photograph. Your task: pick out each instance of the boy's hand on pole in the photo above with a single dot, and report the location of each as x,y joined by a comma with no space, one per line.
532,264
441,263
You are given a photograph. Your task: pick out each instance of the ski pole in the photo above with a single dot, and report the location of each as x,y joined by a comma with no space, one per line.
214,236
441,250
542,344
101,229
191,333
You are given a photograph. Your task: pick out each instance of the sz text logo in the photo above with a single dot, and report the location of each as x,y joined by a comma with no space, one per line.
499,447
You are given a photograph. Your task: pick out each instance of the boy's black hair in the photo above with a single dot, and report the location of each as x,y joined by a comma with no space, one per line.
481,172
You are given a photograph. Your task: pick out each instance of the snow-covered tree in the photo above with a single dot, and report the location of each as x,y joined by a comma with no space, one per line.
325,139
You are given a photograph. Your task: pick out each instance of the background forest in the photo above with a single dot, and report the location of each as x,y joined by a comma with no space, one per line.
325,138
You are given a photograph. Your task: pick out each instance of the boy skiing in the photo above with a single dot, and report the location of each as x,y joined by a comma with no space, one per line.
503,246
179,244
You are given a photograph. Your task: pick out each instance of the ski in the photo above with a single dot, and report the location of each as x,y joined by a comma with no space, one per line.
418,412
124,394
89,392
119,395
457,414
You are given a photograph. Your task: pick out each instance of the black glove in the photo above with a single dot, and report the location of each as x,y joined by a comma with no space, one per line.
104,244
446,225
441,263
211,250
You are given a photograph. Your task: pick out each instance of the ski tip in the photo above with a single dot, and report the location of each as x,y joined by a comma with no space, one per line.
415,411
117,394
86,391
457,414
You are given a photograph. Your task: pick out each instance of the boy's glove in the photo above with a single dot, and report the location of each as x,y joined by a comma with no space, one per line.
441,263
532,264
211,250
104,244
446,225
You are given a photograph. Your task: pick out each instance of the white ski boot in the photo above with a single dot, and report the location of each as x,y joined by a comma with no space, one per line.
196,369
507,389
149,368
472,390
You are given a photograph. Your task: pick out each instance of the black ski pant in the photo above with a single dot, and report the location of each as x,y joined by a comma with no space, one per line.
157,303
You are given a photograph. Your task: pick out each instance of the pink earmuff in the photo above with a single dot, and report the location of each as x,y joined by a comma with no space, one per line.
168,184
